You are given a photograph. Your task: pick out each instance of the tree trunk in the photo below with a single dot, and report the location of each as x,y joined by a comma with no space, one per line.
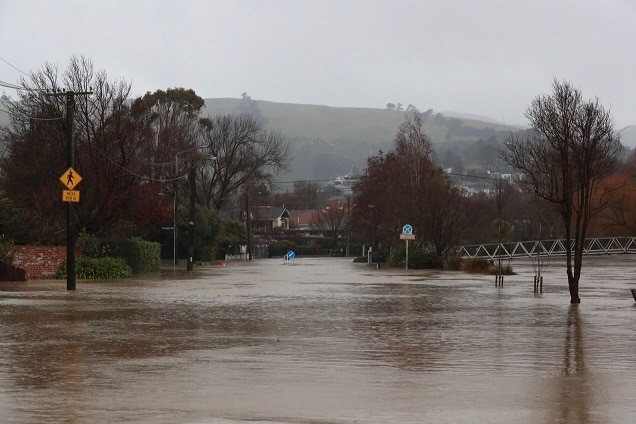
573,285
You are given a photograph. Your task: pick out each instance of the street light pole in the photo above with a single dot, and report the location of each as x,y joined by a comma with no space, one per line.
191,177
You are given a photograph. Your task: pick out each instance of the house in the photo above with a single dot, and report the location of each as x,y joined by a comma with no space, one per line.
302,221
267,218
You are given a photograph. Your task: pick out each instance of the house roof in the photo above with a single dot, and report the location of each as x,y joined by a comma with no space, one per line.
302,217
270,213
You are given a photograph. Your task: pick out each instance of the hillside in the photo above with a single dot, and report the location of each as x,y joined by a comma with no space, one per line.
329,141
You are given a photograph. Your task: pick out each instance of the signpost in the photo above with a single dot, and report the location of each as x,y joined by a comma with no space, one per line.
70,179
407,234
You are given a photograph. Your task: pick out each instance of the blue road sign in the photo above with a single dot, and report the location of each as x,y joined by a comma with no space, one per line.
407,229
291,254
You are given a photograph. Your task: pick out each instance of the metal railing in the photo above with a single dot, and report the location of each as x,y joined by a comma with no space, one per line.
529,249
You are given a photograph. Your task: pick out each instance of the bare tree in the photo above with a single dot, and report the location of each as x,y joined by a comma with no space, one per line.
449,216
572,149
245,153
332,220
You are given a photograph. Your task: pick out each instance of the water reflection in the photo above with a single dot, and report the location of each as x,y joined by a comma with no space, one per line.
574,363
575,398
401,325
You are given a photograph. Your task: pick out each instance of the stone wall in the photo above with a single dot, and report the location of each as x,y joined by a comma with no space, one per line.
39,261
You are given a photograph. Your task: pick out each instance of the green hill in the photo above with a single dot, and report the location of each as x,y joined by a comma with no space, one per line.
329,141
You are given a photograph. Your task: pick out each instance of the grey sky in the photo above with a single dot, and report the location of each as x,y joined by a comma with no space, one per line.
483,57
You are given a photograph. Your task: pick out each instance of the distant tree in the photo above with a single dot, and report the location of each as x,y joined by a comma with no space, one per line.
173,124
449,216
332,221
239,152
207,229
399,107
305,195
406,186
234,234
390,106
412,108
620,217
111,142
565,161
454,161
247,106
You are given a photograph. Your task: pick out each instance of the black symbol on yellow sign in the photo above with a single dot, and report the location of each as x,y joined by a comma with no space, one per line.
70,178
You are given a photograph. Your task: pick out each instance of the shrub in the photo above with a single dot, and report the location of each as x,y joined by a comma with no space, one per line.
280,248
477,266
7,250
98,269
505,270
90,245
485,266
423,257
142,256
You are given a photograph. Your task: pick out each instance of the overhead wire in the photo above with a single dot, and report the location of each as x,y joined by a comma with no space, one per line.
13,66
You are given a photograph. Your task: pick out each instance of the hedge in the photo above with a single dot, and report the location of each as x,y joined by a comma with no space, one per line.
142,256
98,269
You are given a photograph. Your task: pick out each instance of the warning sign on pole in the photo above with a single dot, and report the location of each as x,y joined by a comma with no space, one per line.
70,178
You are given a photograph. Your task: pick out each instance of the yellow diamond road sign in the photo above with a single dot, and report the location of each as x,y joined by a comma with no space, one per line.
70,178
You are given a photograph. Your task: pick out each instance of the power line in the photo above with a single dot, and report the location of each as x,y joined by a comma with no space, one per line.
13,66
10,85
33,117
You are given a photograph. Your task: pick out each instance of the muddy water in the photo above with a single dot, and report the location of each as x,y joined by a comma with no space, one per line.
321,341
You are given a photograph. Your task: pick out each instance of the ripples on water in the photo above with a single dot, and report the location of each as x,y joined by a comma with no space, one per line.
321,341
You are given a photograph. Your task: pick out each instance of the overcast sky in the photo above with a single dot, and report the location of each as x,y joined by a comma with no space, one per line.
482,57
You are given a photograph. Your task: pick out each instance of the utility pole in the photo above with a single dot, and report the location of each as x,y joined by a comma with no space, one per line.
70,163
192,180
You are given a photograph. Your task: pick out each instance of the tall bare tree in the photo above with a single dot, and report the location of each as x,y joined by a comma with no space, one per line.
571,150
245,153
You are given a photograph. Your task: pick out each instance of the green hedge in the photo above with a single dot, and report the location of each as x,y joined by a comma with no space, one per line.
98,269
142,256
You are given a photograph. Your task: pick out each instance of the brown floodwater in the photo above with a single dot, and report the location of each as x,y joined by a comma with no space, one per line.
321,340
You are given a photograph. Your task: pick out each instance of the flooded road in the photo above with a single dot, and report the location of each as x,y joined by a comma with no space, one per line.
321,341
